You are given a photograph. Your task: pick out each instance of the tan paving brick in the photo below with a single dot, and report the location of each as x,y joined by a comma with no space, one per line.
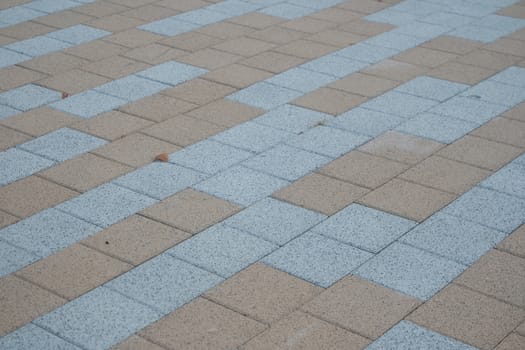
191,211
225,112
237,75
14,76
132,3
361,306
517,11
480,152
365,28
306,49
39,121
10,138
499,275
257,20
150,12
199,91
277,35
304,332
64,19
515,243
363,169
7,219
461,73
32,194
54,63
337,38
274,62
321,193
136,343
191,41
468,316
73,271
364,84
244,46
182,130
202,324
247,292
503,130
157,107
489,59
521,329
115,67
21,302
95,50
99,9
308,25
395,70
517,35
154,54
423,56
183,5
73,81
136,239
115,23
329,101
337,15
133,38
507,46
454,45
225,30
85,172
517,113
10,3
210,58
363,6
512,342
4,40
407,199
401,147
135,149
26,30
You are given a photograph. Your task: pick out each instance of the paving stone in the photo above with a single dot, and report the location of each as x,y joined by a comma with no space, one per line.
73,81
164,283
49,6
7,219
468,109
495,92
287,10
402,105
512,341
160,180
111,125
225,112
398,42
411,337
317,259
493,209
40,121
364,227
135,342
222,250
31,336
286,162
453,44
78,34
115,67
503,130
334,65
300,79
515,242
510,180
274,62
38,46
410,270
234,7
157,108
202,16
62,144
19,164
14,258
396,70
199,91
264,95
252,136
106,204
18,14
98,319
274,221
292,118
6,111
478,33
397,18
367,53
328,141
172,72
511,76
131,88
209,58
169,26
10,138
244,46
462,73
88,104
427,57
28,97
237,75
421,30
432,88
366,121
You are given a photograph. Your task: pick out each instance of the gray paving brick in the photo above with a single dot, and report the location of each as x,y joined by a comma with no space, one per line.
241,185
510,180
172,73
328,141
9,57
451,20
432,88
469,109
28,97
17,164
317,259
131,88
47,232
202,16
234,7
316,4
388,16
399,42
453,238
50,6
274,220
503,23
88,104
288,11
6,111
264,95
498,93
403,105
252,136
286,162
437,127
417,7
410,270
366,121
18,14
38,46
12,259
478,33
78,34
62,144
160,180
300,79
34,337
421,30
335,65
520,159
366,52
169,27
106,204
164,283
98,319
293,118
364,227
209,157
222,250
511,76
408,336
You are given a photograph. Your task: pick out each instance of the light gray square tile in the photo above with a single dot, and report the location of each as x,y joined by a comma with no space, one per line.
50,6
47,232
444,18
364,227
202,16
288,11
17,164
410,270
62,144
511,76
418,7
160,180
402,105
12,259
131,88
209,156
510,179
241,185
478,33
169,27
432,88
366,121
19,14
78,34
274,220
164,283
106,205
366,52
503,23
335,65
301,79
98,319
399,42
469,109
172,72
29,96
34,337
222,250
38,46
88,104
437,127
6,111
293,118
421,30
317,259
8,57
497,93
388,16
264,95
286,162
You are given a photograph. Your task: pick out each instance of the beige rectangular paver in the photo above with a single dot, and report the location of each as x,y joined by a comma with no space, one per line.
453,45
257,20
115,23
395,70
489,59
274,62
461,73
190,41
226,30
237,75
366,28
54,63
154,54
512,342
226,112
64,19
10,138
515,243
210,58
40,121
157,107
427,57
137,343
306,49
329,101
277,35
337,38
504,130
364,84
199,91
7,219
73,81
337,15
96,50
115,67
15,76
244,46
308,24
508,46
517,113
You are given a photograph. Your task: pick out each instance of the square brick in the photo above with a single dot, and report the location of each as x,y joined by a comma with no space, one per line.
115,67
73,81
37,46
495,92
10,58
225,112
244,46
95,50
78,34
191,211
469,109
423,56
132,37
510,179
361,306
199,91
329,101
511,76
131,88
306,49
300,79
452,44
10,138
39,121
432,88
503,130
157,107
274,62
333,65
292,118
169,26
226,30
237,75
15,76
19,164
136,342
154,54
461,73
88,104
395,70
366,121
489,59
277,35
31,336
28,97
172,73
111,125
210,58
515,243
400,104
264,95
287,10
363,84
7,219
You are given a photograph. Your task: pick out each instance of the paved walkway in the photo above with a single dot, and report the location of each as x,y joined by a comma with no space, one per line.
340,175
